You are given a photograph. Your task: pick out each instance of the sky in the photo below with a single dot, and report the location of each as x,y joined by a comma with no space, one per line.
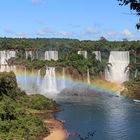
78,19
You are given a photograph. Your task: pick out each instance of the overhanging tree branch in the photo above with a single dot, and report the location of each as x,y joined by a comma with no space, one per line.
134,5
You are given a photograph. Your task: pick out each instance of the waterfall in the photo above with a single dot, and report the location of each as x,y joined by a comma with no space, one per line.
88,76
84,53
98,55
63,78
11,68
29,54
117,72
32,82
10,54
33,54
5,56
21,77
49,84
38,77
47,56
25,76
136,72
51,55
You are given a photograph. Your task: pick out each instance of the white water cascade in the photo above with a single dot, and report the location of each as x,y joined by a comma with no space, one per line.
32,81
29,54
117,72
63,79
4,57
98,55
51,55
136,72
6,68
88,76
84,53
38,80
49,84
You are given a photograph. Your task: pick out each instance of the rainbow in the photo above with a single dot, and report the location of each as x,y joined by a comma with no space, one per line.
98,86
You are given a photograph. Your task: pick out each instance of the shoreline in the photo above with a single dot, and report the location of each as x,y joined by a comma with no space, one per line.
56,128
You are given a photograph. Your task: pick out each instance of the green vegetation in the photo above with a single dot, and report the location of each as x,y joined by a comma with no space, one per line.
17,119
132,88
65,45
72,60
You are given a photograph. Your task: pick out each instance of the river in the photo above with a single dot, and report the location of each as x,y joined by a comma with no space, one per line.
109,117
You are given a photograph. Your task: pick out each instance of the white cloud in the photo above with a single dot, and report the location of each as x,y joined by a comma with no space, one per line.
47,32
112,35
119,35
10,32
127,34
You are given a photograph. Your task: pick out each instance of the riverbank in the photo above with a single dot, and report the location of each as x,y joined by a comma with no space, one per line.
56,128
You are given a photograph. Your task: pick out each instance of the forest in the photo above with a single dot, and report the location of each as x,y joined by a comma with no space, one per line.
17,111
64,45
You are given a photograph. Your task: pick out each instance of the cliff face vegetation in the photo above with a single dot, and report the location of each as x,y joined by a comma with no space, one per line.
17,119
132,88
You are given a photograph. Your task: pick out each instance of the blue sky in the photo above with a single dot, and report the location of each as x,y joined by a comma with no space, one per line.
80,19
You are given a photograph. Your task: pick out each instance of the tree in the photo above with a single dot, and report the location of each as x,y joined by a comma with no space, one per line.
134,5
132,88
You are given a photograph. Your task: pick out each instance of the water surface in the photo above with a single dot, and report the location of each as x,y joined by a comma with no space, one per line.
112,117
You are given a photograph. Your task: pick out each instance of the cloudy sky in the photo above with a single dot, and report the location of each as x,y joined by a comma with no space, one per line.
80,19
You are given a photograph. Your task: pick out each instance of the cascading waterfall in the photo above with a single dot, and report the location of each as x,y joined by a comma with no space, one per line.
51,55
84,53
63,79
33,82
12,68
98,55
4,57
136,72
27,80
29,54
49,84
47,56
21,77
117,71
88,76
6,68
38,77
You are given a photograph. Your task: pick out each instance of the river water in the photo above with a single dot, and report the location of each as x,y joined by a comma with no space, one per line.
109,117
